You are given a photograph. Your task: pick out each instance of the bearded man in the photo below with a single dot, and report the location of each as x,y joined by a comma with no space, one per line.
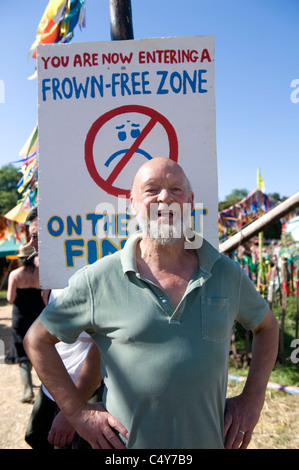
162,314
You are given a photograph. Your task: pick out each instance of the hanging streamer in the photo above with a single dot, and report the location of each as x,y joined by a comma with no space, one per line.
56,25
58,22
244,212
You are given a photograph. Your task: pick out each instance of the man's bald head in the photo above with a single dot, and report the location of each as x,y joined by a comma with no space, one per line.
158,165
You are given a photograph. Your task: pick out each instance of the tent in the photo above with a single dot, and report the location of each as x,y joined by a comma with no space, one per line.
9,247
18,213
292,227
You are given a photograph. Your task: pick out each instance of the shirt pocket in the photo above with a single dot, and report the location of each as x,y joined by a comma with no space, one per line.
215,325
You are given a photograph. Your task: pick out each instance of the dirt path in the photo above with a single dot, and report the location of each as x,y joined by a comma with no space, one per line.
13,414
278,427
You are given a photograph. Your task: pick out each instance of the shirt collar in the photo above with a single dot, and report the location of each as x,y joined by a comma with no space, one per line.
128,253
207,254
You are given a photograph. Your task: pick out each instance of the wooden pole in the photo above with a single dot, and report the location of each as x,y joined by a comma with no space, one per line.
261,270
271,287
261,265
121,26
284,278
258,225
297,302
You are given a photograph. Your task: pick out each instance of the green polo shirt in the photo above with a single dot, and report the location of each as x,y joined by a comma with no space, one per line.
165,369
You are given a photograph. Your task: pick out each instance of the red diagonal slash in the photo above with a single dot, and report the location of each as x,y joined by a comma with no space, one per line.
154,116
128,155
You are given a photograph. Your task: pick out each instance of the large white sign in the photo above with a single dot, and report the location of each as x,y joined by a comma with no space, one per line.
105,108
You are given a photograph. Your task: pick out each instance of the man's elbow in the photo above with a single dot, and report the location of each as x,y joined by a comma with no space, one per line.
269,323
274,324
29,340
35,338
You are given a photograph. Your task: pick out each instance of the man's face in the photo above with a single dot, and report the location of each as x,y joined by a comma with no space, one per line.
33,231
162,200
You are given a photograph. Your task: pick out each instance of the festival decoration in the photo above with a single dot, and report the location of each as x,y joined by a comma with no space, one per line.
56,25
27,186
58,22
10,229
244,212
260,181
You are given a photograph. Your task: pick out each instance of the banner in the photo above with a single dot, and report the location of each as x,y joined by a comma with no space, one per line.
105,108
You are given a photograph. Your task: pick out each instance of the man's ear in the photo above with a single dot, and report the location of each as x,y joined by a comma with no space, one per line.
192,200
133,205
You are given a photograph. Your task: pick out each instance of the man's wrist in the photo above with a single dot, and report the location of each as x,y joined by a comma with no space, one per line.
256,396
72,411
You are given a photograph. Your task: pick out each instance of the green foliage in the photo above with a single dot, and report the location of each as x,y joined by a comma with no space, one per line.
235,196
9,178
285,373
238,194
289,322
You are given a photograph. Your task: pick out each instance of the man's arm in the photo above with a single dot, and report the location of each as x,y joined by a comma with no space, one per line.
62,432
242,412
92,422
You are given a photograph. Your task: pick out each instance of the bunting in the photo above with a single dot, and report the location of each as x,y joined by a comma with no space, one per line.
11,229
243,213
27,186
56,25
58,22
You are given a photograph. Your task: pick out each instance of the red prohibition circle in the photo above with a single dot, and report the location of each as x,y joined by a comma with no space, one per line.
156,117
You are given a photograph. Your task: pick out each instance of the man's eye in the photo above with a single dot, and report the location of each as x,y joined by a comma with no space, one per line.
151,190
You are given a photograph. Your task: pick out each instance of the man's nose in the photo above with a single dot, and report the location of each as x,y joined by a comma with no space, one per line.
165,195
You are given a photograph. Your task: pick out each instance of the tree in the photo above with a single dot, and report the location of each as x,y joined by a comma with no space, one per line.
9,178
235,196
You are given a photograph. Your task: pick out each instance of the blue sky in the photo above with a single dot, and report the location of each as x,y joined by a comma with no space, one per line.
257,58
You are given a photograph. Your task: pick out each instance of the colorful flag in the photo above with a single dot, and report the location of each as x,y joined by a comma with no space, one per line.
58,22
260,181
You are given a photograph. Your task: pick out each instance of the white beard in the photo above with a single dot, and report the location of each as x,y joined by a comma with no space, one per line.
163,232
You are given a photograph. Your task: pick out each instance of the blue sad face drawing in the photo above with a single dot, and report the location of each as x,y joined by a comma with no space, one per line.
129,130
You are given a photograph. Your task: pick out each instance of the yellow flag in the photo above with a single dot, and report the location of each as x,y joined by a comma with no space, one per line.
260,181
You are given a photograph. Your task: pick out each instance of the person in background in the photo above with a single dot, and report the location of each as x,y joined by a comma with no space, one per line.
24,293
47,427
